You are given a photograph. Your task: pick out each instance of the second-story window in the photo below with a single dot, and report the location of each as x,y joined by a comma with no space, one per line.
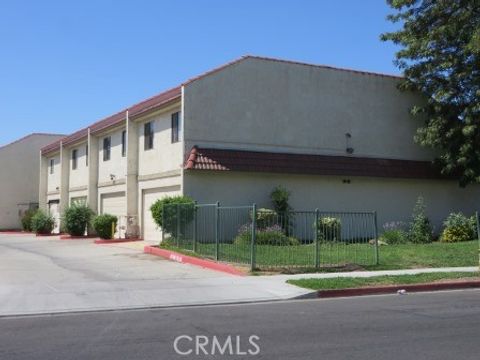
107,145
74,159
52,166
148,136
86,155
175,128
124,143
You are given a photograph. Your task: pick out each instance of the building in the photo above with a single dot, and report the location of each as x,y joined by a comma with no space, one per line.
19,163
339,140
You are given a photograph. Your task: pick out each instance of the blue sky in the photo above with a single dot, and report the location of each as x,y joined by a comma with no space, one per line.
66,64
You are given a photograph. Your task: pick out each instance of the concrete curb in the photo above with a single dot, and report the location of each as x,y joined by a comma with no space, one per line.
393,289
185,259
70,237
114,241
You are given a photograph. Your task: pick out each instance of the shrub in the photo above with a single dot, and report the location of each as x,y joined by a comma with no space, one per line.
272,235
394,233
76,219
103,225
420,230
458,227
166,209
329,229
27,219
42,223
280,197
265,218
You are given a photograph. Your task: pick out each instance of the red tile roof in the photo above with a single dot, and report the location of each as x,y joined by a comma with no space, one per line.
173,94
254,161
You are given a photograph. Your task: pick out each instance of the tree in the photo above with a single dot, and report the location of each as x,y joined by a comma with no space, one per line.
440,58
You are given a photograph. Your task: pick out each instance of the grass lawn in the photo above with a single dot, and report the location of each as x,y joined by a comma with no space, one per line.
340,254
350,282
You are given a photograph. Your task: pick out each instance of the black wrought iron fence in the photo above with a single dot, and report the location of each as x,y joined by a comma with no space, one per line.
264,239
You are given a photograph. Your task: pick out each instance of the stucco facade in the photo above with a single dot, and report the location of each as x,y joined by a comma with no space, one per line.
19,177
260,105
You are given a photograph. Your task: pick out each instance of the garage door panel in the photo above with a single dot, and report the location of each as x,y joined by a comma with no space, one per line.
115,204
151,232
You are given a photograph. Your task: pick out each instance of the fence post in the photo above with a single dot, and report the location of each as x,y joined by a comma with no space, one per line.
217,229
195,227
478,235
375,229
317,244
177,237
254,238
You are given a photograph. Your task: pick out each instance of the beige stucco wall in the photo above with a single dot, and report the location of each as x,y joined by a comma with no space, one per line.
79,176
274,106
164,156
117,165
393,199
19,176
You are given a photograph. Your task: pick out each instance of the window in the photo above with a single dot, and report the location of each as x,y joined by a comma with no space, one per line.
148,136
175,127
124,143
86,155
74,159
107,144
52,164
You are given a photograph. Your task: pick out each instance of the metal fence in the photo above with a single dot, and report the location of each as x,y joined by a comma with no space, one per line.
264,239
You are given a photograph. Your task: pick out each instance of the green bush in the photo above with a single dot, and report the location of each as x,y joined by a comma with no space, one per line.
394,233
103,225
166,210
42,223
458,227
280,197
420,231
77,219
269,236
27,219
329,229
265,218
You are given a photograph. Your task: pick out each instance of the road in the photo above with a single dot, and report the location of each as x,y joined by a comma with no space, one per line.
436,326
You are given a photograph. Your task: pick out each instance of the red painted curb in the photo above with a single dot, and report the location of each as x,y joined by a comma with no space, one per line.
394,288
70,237
46,235
185,259
113,241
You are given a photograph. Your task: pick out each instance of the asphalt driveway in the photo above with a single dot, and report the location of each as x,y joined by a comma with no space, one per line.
48,275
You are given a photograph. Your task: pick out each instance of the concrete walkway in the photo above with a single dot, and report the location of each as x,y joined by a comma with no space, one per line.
48,275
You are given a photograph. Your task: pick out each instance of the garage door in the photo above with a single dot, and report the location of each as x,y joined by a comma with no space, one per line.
150,231
115,204
54,211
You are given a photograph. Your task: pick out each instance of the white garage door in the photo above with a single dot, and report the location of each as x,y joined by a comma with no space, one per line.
115,204
54,211
150,231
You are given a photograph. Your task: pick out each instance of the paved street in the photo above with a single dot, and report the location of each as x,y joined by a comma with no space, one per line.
435,326
43,275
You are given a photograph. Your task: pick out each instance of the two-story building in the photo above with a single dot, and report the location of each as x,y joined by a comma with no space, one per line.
339,140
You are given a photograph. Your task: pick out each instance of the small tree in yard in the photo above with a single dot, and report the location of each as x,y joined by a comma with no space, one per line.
280,197
420,227
172,211
77,219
